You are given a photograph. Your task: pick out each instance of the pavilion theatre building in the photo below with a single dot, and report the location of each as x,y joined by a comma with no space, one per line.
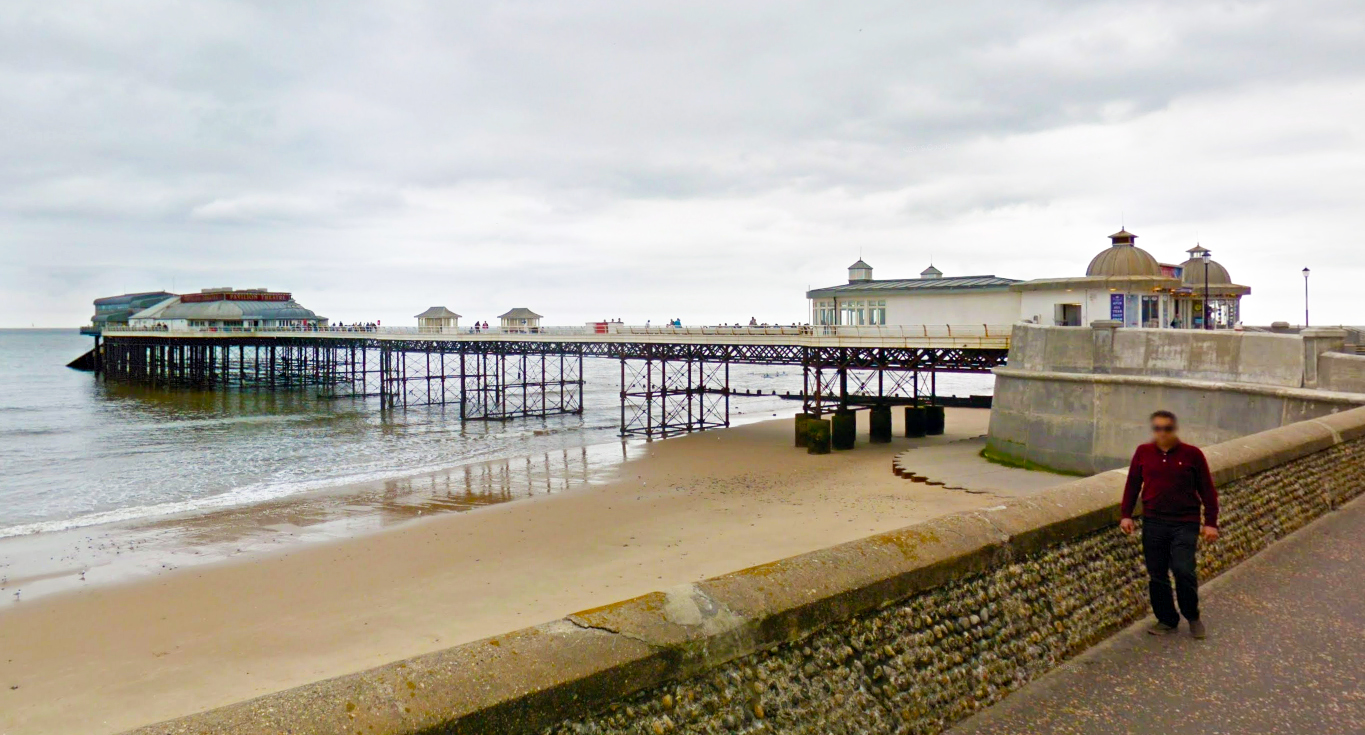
226,308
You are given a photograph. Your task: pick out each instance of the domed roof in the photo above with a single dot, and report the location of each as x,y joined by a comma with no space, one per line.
1192,270
1123,258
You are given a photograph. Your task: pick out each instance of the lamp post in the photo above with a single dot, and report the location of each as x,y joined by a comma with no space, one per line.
1305,298
1208,312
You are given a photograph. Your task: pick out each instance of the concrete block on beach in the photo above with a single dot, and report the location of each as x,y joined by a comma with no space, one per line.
800,424
933,420
817,436
879,425
843,429
914,421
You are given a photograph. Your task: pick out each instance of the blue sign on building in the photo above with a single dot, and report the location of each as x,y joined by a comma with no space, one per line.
1116,306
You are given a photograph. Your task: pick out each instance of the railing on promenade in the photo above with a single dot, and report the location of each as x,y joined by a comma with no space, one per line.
979,336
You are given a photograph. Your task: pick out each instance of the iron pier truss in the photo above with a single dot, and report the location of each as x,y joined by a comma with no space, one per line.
667,387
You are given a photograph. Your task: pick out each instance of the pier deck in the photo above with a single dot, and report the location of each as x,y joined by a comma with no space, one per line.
673,379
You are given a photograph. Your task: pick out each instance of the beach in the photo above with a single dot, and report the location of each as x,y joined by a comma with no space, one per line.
105,658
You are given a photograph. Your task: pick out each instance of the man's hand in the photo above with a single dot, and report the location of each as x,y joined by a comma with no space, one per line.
1126,525
1208,533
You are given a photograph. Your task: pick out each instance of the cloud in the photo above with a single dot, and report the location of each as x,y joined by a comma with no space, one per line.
701,160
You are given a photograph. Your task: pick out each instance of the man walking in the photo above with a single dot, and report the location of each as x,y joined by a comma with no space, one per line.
1174,481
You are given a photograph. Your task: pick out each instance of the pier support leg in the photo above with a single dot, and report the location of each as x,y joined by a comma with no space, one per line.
817,436
663,397
498,386
915,421
933,420
843,429
802,419
879,425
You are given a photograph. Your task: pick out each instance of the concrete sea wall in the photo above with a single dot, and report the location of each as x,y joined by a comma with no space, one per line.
1341,372
904,632
1077,398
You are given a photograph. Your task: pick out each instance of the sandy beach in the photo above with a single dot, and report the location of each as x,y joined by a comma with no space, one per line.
106,658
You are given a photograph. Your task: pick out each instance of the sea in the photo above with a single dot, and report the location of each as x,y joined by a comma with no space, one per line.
78,452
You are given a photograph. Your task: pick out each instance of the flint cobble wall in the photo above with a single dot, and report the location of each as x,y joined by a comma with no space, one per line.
923,663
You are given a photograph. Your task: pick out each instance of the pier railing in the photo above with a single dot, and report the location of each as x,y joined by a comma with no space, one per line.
981,336
674,379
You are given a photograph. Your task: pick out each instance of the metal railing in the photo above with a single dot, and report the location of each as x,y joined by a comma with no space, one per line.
961,335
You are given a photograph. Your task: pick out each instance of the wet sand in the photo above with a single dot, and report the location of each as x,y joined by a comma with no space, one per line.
38,565
107,658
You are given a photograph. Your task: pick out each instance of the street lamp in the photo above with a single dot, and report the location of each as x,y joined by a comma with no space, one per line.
1305,298
1208,312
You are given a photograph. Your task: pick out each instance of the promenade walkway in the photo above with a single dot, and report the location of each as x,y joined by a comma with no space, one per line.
1285,656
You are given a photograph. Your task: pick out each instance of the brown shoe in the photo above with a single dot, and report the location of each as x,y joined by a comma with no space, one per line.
1161,629
1197,629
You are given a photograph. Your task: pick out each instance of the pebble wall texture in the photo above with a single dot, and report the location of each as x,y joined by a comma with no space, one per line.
922,664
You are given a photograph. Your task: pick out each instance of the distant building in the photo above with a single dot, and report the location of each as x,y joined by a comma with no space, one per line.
114,311
1123,283
520,320
930,299
226,308
437,318
1225,297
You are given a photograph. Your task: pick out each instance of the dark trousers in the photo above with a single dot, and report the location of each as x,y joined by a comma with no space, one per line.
1168,548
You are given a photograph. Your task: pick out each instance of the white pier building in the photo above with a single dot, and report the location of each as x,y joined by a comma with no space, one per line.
1123,283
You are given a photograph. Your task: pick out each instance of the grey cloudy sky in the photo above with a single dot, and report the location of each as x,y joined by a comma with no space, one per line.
643,160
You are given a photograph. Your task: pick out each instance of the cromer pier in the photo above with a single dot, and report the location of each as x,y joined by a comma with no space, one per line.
673,379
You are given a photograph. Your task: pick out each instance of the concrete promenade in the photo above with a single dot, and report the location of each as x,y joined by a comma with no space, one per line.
1285,655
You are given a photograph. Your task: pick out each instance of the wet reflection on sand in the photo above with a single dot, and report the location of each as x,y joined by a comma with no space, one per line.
43,564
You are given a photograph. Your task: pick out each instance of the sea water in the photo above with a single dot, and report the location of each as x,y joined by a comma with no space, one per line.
76,451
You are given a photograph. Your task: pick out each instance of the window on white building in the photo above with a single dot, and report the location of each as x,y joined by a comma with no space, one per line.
876,312
1151,311
853,313
1067,315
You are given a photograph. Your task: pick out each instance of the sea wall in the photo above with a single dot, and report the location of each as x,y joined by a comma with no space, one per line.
1077,398
1341,372
904,632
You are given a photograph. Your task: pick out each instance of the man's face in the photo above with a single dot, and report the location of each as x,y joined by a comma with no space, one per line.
1163,430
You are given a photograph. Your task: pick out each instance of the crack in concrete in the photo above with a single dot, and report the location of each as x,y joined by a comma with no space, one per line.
605,629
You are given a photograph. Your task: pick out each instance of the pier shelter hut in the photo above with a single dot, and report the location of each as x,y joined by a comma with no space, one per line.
1224,298
437,318
520,319
1123,283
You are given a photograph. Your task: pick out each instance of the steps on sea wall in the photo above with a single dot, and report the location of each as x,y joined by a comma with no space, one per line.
905,464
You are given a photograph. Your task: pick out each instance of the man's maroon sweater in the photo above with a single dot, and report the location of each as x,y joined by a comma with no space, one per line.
1173,485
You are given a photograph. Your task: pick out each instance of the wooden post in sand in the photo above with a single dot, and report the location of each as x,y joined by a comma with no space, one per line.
817,435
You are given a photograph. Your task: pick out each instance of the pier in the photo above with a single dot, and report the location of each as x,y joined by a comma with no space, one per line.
674,380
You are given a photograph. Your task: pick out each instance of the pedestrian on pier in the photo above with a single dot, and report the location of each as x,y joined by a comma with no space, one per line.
1176,488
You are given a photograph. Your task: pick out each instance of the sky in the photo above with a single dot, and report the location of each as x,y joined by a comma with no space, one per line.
708,161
